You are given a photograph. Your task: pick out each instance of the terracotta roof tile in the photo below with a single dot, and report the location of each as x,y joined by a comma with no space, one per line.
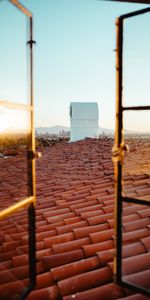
9,246
75,268
44,280
133,249
62,258
7,256
49,293
89,214
5,265
61,217
146,242
44,252
52,213
11,288
96,196
136,263
105,198
91,250
75,221
47,227
108,209
106,292
71,245
100,219
45,234
135,297
70,227
85,231
72,220
83,206
144,213
130,218
143,192
108,202
140,279
98,237
105,256
132,208
134,225
135,235
66,237
85,281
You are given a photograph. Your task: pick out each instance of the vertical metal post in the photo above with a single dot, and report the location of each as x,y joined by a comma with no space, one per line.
32,245
31,42
118,144
31,209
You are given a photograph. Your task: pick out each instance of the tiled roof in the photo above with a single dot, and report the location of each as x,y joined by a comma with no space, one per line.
75,223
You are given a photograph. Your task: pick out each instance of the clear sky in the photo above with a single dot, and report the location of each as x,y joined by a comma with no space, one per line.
75,59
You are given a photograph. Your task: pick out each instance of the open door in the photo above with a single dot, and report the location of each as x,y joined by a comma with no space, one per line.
17,151
124,195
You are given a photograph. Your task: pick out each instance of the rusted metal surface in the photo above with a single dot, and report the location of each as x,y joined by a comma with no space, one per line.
29,202
21,7
118,154
131,1
117,146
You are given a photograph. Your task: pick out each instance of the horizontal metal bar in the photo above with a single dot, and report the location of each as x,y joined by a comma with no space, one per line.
131,1
13,208
21,8
136,201
135,287
146,107
135,13
13,105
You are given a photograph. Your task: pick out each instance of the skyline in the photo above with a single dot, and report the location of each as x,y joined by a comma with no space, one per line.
74,59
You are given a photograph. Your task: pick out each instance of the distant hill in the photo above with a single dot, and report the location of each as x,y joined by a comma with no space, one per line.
51,130
106,131
102,131
58,128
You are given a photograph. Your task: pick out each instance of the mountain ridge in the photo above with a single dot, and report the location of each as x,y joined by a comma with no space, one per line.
59,128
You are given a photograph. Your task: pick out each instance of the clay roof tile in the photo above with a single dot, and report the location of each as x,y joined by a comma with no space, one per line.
85,281
74,223
106,292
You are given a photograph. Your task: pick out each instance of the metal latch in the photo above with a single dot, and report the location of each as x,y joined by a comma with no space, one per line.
37,155
118,153
32,154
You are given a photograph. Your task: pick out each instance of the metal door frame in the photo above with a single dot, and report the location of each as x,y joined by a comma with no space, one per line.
118,153
29,202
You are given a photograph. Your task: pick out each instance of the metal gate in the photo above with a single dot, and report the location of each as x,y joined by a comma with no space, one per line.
118,152
24,153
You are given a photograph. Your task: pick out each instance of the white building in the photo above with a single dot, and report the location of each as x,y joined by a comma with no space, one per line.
84,117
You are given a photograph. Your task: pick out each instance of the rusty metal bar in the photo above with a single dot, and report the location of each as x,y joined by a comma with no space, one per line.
21,7
118,145
131,1
9,104
135,288
15,207
32,244
31,166
118,154
146,107
30,201
135,13
136,201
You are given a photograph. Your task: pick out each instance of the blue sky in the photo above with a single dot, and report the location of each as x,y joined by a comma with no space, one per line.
75,60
